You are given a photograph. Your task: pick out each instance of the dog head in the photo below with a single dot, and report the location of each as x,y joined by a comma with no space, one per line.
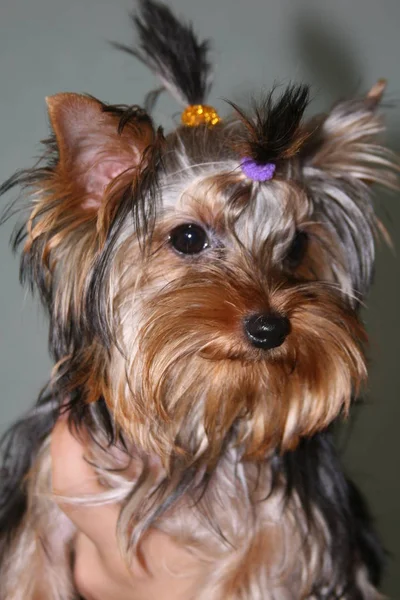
206,308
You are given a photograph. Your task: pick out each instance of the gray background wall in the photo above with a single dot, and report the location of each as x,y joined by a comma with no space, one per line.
48,46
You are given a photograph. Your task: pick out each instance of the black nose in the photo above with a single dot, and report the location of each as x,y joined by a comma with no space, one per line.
267,330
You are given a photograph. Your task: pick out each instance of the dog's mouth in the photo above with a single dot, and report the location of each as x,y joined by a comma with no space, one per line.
208,360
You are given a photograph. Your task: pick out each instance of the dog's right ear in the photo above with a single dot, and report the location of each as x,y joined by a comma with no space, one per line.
97,151
96,143
97,156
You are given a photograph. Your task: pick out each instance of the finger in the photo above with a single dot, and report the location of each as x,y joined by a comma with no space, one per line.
93,577
74,477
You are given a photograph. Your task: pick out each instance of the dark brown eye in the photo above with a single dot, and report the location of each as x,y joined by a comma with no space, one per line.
297,249
189,239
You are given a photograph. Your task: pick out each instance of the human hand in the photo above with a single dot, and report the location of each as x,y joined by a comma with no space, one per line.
100,572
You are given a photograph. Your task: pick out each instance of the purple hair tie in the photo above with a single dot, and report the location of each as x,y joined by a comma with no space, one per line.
257,172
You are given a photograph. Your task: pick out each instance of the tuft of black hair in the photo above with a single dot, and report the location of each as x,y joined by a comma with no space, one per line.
272,129
172,51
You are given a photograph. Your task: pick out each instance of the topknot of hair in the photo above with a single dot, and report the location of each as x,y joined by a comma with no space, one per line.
172,51
273,129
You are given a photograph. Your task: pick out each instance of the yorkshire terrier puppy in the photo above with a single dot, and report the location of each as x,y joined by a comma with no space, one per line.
203,290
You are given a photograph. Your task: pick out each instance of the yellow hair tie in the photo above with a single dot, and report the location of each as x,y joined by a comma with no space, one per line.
200,114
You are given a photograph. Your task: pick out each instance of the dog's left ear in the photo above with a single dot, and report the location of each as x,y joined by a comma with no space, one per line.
342,157
346,142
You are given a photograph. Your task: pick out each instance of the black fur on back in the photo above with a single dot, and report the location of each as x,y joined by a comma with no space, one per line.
314,472
18,449
172,51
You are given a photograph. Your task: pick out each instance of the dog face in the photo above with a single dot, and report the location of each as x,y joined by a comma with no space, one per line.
205,308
